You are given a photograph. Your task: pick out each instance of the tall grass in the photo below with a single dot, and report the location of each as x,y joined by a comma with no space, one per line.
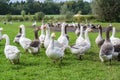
40,67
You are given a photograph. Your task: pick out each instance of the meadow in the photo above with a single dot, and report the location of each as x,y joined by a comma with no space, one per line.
40,67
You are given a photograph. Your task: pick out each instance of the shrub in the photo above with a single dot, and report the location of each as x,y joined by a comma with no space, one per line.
23,14
39,15
8,17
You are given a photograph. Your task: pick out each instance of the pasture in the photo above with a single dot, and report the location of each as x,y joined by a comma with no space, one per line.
40,67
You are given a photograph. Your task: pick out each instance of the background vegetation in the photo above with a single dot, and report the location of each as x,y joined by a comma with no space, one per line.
48,7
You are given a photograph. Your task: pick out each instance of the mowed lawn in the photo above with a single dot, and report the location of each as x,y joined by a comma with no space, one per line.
40,67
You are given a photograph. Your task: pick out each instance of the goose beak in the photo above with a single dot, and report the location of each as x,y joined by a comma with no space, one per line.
1,29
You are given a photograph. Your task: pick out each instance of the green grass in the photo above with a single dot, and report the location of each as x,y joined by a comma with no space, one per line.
41,67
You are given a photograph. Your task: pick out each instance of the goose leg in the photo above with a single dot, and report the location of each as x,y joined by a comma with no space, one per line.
26,51
102,60
110,61
118,56
12,61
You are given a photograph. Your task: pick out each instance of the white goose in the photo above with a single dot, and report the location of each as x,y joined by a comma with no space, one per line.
80,38
24,42
99,40
11,52
17,37
1,33
42,36
107,49
114,39
48,38
53,52
35,44
81,48
63,39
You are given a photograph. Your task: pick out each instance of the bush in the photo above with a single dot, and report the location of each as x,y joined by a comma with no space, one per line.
8,17
39,15
69,15
23,13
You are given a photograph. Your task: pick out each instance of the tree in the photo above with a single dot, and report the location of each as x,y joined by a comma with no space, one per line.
39,15
23,13
30,1
4,1
106,10
63,9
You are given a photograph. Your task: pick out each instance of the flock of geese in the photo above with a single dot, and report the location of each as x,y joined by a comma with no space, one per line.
55,49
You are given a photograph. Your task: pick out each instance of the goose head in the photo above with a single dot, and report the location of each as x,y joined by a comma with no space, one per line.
109,28
53,35
22,28
4,36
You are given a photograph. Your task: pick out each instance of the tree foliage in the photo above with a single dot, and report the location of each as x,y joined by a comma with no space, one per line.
48,7
106,10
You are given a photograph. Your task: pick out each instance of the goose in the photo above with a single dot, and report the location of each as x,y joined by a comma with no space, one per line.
17,37
114,39
80,38
53,52
99,40
81,48
11,52
42,36
48,38
63,39
35,44
107,49
24,42
1,33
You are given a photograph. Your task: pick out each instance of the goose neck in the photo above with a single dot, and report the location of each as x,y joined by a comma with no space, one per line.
36,34
113,32
100,32
23,31
107,36
63,30
81,31
47,33
86,35
7,40
51,45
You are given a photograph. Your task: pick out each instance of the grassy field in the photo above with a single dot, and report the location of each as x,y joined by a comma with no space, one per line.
41,67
